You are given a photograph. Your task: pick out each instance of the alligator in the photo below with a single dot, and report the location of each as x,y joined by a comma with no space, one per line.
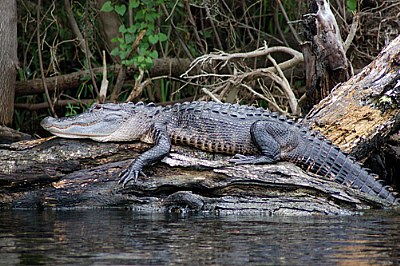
252,135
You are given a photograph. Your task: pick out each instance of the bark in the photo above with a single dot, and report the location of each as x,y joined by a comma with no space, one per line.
173,67
61,173
361,113
8,59
325,59
9,135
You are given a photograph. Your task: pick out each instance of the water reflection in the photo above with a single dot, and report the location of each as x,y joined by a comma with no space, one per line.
110,237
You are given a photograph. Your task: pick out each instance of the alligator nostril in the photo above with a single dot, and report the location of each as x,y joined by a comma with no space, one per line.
45,122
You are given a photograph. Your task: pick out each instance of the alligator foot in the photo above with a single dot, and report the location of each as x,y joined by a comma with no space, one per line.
243,159
129,174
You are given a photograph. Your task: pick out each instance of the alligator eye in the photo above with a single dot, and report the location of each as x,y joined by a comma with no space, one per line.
95,107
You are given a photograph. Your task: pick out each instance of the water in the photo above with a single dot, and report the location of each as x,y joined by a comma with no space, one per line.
121,237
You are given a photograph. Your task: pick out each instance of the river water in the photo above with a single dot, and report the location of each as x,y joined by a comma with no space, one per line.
123,237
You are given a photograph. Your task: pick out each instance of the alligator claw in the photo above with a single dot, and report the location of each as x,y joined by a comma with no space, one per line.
130,174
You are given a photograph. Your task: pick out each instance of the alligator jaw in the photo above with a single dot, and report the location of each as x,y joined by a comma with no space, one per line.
71,131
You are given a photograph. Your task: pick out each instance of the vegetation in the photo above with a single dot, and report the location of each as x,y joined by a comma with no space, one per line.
140,37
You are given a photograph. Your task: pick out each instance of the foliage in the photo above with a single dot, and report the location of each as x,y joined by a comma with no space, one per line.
145,20
352,5
174,29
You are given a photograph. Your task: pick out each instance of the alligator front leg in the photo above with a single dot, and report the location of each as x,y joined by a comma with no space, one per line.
161,148
263,134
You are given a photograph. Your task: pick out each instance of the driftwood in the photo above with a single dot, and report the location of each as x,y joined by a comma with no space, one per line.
60,173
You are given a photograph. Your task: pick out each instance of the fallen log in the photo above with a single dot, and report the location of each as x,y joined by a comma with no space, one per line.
61,173
360,114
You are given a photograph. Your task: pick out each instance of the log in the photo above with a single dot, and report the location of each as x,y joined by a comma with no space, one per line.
360,114
9,135
60,173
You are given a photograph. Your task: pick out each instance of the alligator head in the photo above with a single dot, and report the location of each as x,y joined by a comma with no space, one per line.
101,122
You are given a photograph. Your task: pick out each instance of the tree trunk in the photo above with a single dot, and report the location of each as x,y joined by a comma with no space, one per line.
8,59
324,56
109,23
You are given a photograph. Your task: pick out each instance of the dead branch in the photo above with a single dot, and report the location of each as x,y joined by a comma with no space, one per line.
173,67
326,63
207,60
352,32
75,28
104,82
43,82
211,66
212,96
286,87
44,105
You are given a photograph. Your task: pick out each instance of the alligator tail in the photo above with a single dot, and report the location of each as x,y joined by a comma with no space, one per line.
325,159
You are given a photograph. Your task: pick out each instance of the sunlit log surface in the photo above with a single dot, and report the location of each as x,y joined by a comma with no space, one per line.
361,113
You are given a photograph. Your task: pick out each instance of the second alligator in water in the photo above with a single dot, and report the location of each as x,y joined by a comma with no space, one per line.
253,135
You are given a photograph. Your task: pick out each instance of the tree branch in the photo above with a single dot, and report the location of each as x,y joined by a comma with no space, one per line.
39,22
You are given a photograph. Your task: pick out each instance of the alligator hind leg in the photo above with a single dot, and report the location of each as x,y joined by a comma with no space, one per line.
265,142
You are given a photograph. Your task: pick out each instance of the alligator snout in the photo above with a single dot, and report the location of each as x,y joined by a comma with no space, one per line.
48,122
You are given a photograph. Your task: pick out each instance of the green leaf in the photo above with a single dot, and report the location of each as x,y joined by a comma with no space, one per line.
107,7
115,51
123,54
132,29
150,17
130,38
139,15
162,37
150,28
129,62
153,54
149,61
143,46
134,4
153,39
124,46
120,9
122,29
118,40
352,5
